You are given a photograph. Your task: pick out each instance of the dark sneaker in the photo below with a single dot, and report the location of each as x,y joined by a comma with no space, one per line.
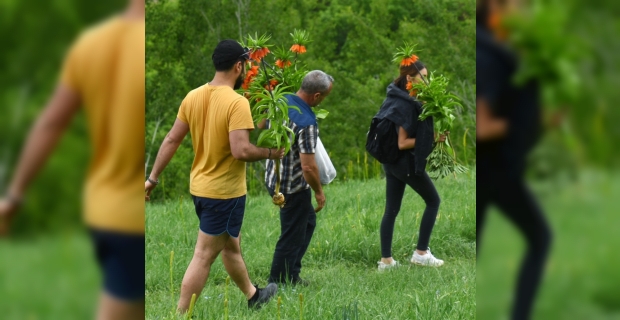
262,296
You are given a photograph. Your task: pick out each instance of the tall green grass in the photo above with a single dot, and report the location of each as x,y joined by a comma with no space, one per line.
341,262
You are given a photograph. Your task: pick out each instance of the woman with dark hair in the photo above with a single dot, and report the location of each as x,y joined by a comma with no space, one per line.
507,128
415,140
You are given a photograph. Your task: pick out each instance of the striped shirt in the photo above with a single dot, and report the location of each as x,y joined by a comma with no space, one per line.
291,174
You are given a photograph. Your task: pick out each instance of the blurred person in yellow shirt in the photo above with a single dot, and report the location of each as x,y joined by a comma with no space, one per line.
103,73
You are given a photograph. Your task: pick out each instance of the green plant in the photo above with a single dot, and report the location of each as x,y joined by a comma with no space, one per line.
180,205
439,104
266,86
376,168
350,172
365,165
171,282
192,303
405,55
350,312
465,145
301,306
273,106
226,298
300,39
549,53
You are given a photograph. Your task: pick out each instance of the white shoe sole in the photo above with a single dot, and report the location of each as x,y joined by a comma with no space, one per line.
390,267
425,264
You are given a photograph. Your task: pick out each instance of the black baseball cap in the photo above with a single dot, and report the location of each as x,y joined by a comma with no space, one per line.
229,51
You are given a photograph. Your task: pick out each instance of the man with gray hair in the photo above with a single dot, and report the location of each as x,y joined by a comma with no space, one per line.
299,173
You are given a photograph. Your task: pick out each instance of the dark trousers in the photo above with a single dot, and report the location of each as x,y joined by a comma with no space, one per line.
397,177
514,200
297,224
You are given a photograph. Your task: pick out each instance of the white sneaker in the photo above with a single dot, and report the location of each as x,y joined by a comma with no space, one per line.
382,266
426,260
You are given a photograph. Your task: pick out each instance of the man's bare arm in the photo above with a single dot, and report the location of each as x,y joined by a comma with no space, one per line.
44,136
41,141
242,149
169,147
311,175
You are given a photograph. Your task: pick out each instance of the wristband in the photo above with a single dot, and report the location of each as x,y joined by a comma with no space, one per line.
153,182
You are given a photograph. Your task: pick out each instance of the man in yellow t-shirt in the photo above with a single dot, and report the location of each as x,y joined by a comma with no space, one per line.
104,74
219,121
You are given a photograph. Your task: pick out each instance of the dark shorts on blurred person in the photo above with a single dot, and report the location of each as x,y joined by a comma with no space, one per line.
121,259
218,216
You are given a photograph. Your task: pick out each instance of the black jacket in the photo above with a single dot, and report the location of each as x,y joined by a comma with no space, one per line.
404,111
520,106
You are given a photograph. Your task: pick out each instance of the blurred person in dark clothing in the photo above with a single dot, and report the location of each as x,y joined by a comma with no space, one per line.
508,126
103,73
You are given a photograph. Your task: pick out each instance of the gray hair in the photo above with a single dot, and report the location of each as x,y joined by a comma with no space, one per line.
316,81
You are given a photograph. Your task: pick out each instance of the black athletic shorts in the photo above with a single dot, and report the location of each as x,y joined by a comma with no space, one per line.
218,216
121,259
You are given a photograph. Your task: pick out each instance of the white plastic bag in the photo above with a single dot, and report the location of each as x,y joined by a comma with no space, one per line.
327,172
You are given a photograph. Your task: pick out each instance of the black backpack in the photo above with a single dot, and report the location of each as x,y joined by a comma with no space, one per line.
382,141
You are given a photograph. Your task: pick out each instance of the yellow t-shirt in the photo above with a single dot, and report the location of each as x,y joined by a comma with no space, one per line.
211,113
105,66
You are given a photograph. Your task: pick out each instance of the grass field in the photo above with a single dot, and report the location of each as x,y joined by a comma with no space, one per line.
56,277
48,277
341,262
582,279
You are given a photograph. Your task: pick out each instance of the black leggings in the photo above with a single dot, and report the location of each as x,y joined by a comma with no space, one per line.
513,198
397,177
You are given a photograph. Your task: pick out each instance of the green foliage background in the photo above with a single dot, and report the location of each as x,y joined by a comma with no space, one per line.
353,40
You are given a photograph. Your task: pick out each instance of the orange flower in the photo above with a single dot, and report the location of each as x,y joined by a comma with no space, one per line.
283,64
409,61
298,48
253,55
265,51
258,54
494,20
495,24
249,76
245,85
272,84
409,87
252,72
